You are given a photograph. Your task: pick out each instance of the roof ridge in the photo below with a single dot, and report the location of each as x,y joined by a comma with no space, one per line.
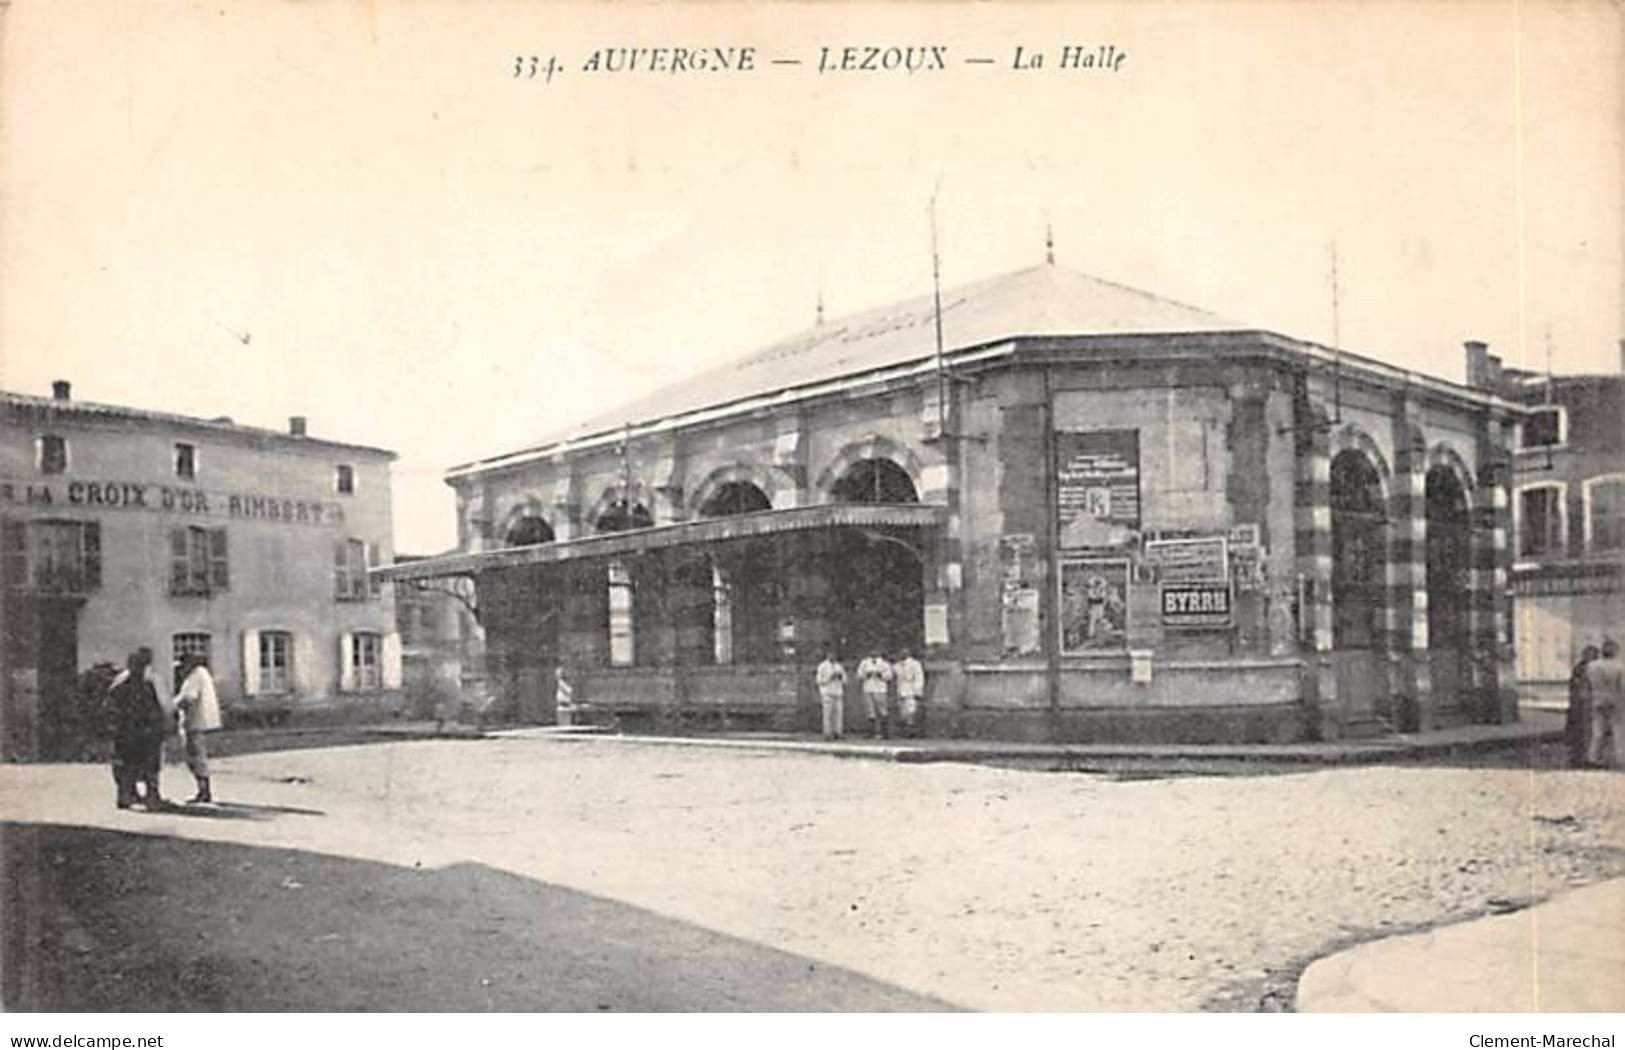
223,423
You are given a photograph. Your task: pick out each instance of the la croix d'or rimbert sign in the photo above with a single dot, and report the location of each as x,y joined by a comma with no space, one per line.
168,499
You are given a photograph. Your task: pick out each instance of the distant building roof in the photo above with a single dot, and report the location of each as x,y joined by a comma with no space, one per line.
1040,301
222,426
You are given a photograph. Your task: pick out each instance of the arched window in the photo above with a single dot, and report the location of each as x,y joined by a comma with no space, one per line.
529,530
1449,559
734,497
1449,595
621,593
740,583
874,481
1358,552
619,517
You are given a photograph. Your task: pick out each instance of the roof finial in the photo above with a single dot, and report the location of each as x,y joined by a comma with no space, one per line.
820,320
1049,243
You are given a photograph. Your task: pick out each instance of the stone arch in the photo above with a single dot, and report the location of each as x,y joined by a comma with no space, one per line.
730,473
637,497
872,447
1348,438
515,522
1442,456
1359,541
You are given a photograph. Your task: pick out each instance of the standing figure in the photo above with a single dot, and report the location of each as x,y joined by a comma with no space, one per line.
910,677
1606,748
831,678
197,711
138,725
874,671
564,698
1577,721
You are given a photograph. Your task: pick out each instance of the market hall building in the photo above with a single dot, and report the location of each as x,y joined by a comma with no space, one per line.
1099,514
122,527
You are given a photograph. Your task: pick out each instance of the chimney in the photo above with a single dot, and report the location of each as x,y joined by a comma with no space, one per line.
296,426
1478,364
61,389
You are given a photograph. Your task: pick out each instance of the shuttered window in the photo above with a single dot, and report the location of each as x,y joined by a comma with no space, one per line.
1540,520
351,583
366,660
1605,513
53,557
276,662
14,552
198,562
53,454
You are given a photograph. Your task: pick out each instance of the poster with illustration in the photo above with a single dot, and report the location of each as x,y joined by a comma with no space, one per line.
1094,604
1097,487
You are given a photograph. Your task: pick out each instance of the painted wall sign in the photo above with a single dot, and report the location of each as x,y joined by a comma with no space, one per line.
1097,486
168,499
1094,604
1195,604
1202,558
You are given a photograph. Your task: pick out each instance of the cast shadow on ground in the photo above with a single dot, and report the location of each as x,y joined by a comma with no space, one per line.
101,920
236,811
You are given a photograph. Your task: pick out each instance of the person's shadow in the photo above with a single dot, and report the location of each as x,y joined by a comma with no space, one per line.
236,811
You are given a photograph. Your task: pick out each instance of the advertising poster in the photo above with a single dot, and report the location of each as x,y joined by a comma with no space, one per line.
1094,604
1097,487
1186,560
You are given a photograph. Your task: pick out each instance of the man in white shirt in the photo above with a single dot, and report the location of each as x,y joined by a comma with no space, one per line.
831,678
910,677
197,709
874,671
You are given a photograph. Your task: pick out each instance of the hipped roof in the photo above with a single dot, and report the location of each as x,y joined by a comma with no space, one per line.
1044,300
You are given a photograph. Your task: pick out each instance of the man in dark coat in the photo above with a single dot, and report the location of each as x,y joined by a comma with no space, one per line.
1577,724
138,727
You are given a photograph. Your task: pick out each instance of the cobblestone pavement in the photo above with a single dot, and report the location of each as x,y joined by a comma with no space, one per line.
989,888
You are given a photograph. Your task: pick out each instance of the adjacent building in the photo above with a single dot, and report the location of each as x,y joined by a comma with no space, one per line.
122,527
1568,510
432,623
1098,513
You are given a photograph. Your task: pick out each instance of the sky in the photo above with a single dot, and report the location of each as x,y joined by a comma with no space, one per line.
356,212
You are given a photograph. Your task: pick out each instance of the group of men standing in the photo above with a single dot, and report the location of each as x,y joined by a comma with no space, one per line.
139,721
876,676
1596,715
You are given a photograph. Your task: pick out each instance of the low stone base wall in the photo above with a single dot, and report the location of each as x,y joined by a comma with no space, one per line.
1272,724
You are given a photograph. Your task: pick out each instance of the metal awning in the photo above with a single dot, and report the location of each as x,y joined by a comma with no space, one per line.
681,534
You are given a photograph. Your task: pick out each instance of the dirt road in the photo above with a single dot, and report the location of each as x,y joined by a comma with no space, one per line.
984,888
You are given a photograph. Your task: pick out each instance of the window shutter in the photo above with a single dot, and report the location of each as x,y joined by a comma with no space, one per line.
346,662
90,540
304,663
390,672
341,570
180,565
373,584
219,576
251,663
14,549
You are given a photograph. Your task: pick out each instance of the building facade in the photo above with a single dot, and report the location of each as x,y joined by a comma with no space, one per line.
1098,514
431,621
123,528
1568,512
